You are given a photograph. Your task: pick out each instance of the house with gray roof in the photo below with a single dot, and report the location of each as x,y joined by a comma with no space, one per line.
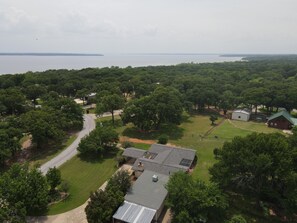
144,202
282,120
161,159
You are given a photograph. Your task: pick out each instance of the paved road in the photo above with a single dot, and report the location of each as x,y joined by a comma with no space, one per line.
71,151
67,154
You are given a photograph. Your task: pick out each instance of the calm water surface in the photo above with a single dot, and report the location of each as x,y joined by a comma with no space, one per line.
21,64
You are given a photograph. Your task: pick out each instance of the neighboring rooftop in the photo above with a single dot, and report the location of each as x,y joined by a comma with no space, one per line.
133,152
165,159
286,115
244,111
134,213
148,193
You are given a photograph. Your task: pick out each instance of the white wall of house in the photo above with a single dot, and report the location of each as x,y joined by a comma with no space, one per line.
241,115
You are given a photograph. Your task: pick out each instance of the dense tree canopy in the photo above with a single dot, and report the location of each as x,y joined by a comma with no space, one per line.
24,190
193,200
149,112
99,140
260,164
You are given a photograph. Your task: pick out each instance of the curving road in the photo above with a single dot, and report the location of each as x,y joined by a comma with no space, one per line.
71,151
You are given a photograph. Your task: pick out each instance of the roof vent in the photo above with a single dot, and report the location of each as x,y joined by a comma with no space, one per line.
155,178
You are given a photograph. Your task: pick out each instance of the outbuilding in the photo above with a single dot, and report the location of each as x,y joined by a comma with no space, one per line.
282,120
241,114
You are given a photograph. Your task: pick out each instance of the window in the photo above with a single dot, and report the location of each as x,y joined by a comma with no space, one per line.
239,116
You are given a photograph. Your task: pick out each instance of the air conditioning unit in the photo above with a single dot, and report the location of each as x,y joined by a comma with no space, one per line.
155,178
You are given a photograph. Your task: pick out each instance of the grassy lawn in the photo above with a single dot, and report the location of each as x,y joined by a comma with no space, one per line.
42,156
142,146
83,175
196,132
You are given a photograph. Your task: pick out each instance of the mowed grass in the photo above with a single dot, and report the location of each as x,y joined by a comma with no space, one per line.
194,137
196,132
83,176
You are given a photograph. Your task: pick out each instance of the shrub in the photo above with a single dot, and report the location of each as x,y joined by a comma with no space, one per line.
127,144
163,139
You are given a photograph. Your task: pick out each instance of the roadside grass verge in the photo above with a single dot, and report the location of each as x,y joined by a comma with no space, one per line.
39,157
83,174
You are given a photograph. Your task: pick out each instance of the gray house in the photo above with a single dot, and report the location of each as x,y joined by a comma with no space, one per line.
145,200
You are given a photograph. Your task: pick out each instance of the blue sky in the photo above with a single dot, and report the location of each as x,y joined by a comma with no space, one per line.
149,26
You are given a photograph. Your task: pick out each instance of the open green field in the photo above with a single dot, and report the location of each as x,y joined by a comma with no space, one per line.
196,132
83,176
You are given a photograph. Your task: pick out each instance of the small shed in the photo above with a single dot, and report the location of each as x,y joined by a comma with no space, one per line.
282,120
241,114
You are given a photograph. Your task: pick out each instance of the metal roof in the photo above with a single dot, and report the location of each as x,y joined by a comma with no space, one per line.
286,115
147,193
133,152
134,213
242,111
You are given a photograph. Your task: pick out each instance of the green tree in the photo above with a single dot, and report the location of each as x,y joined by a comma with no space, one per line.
24,188
53,177
102,205
99,140
43,125
162,106
34,91
14,213
260,164
194,200
110,103
213,118
119,181
9,142
13,100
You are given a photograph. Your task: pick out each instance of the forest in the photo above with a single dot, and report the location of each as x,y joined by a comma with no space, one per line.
41,104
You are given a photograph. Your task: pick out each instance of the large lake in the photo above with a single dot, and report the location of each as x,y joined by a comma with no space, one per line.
21,64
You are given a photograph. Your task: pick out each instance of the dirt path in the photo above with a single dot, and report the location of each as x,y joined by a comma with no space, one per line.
135,140
27,144
214,127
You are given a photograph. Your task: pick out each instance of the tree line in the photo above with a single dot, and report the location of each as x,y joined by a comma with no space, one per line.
271,83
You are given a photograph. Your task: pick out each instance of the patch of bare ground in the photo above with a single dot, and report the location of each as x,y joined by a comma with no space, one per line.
135,140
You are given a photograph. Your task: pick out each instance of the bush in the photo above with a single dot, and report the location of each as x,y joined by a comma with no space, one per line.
120,160
64,186
237,219
163,139
127,144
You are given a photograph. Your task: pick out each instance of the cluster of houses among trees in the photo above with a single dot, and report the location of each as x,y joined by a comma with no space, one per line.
41,105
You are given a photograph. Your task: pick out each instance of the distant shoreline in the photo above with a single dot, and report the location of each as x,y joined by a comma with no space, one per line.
50,54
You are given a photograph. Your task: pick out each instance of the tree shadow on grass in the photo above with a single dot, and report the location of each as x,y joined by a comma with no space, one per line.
98,157
186,119
174,132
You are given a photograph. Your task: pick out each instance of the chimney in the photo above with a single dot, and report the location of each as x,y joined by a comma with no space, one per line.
155,178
